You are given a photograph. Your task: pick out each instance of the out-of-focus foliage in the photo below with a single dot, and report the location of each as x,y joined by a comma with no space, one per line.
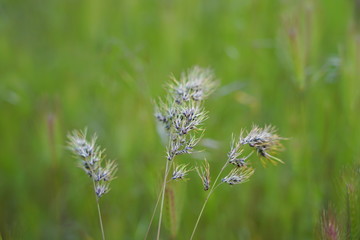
67,64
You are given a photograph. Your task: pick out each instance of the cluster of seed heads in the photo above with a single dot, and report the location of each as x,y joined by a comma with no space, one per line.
182,113
263,140
91,160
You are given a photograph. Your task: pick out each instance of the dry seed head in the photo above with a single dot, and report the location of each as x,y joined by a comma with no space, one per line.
105,174
181,113
238,175
329,226
184,122
189,117
264,140
182,145
180,172
235,149
180,119
101,189
165,112
259,136
204,174
235,154
91,158
80,146
87,152
196,85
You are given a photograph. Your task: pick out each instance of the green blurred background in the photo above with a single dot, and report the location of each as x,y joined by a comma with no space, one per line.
70,64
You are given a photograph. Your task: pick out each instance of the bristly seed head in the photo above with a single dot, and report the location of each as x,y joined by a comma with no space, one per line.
196,85
265,141
180,172
101,189
105,174
189,117
91,158
235,154
181,113
238,175
80,146
329,226
204,174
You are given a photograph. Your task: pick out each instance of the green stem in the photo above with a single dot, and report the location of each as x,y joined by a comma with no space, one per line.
99,213
206,200
162,199
156,205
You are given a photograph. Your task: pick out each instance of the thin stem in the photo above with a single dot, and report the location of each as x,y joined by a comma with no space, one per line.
99,213
153,214
162,199
100,220
207,198
156,205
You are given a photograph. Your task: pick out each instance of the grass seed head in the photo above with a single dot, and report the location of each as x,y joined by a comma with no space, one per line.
329,226
265,141
238,175
196,84
204,174
91,159
180,172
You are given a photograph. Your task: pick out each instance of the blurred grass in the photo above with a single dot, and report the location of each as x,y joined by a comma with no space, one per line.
69,64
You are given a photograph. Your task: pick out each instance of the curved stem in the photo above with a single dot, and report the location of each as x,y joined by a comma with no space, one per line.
213,187
99,213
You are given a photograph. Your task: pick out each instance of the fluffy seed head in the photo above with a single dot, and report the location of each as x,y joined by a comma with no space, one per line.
180,172
196,84
189,117
265,141
204,174
101,189
181,113
91,159
238,175
106,173
329,226
80,146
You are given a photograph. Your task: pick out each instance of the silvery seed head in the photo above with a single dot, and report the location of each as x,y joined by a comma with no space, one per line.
180,172
87,152
235,155
204,174
165,111
181,113
106,173
91,159
238,175
196,85
80,146
101,189
264,140
189,117
181,145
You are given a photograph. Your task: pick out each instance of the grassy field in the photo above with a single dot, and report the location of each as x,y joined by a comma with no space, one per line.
67,65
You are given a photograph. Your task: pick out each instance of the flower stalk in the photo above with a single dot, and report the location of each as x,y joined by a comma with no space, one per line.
91,159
